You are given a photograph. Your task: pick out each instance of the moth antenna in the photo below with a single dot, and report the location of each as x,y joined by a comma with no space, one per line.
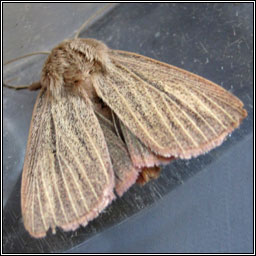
100,11
33,86
25,56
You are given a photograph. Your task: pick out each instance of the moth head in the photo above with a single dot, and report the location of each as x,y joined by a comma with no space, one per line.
72,64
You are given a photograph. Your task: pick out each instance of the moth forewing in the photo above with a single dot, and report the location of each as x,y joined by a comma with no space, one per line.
60,186
172,111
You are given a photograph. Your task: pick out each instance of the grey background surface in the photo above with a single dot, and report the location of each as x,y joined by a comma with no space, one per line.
201,205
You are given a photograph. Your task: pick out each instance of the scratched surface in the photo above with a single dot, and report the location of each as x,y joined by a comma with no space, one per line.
211,212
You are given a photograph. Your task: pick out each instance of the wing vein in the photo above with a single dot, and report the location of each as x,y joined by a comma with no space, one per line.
76,183
48,197
77,160
191,121
209,111
178,121
166,124
219,107
58,153
183,78
134,116
188,117
81,168
159,114
93,145
33,212
169,129
201,117
58,194
65,181
40,205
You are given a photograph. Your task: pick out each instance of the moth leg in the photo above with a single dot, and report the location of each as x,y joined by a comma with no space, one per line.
147,174
35,86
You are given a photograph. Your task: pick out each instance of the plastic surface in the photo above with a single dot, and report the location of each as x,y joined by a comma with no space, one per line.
201,205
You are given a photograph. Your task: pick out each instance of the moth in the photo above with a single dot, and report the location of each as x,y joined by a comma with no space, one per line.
105,118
